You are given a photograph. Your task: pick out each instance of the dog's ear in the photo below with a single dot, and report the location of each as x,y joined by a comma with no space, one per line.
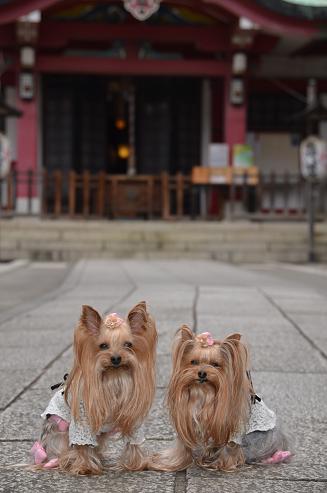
235,353
91,320
138,317
233,337
182,343
185,333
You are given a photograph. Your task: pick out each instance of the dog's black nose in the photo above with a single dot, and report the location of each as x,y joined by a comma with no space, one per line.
202,375
116,360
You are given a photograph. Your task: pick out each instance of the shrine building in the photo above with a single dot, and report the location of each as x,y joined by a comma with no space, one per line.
139,91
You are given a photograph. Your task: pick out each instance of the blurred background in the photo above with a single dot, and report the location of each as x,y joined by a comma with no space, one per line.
163,110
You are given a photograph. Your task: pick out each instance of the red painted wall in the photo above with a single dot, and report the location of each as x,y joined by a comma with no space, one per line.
27,130
234,121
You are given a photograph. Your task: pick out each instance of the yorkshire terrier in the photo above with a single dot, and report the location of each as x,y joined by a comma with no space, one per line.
109,390
220,422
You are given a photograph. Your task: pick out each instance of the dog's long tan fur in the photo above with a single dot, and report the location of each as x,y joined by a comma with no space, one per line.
206,415
121,396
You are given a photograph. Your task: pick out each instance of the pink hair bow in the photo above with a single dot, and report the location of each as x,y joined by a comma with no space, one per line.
113,320
205,339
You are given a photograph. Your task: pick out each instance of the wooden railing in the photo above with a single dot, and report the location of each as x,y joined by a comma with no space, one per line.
157,196
96,195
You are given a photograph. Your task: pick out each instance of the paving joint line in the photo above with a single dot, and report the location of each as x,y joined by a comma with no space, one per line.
295,325
293,480
15,440
180,482
194,308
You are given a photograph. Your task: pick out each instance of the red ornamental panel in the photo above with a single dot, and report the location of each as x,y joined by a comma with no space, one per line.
142,9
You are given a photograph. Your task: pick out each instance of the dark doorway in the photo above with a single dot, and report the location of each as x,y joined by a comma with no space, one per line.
75,123
168,124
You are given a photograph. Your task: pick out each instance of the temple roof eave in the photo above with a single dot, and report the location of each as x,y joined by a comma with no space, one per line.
268,20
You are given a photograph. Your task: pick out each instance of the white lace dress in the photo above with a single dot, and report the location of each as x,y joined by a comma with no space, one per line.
261,419
80,432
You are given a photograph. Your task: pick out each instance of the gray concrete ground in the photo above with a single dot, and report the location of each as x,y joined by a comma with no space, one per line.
281,311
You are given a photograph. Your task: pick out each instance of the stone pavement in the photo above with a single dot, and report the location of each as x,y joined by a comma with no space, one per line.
284,322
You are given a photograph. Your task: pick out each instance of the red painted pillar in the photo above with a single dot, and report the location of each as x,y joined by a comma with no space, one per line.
234,121
27,135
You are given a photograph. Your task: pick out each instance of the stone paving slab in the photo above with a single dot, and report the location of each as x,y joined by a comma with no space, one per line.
285,351
305,305
213,482
54,482
23,284
14,381
24,338
218,301
293,396
41,323
314,326
33,358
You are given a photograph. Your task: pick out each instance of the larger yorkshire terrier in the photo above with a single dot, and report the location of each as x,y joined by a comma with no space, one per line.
220,422
109,390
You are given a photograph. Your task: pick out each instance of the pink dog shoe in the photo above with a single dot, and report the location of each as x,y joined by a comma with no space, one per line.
51,464
39,453
279,456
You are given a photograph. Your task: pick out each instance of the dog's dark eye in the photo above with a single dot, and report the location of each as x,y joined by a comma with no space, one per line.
194,362
104,346
128,344
215,364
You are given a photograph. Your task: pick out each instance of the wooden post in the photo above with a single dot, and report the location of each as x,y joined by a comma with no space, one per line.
232,195
71,193
180,194
86,193
286,193
44,178
113,195
10,191
150,196
101,193
57,176
272,192
245,191
259,193
165,196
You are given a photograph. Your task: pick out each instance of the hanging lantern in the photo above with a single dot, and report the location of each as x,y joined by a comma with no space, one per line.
120,124
123,151
142,9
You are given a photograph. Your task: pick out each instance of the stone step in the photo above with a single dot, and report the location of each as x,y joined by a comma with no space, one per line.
225,241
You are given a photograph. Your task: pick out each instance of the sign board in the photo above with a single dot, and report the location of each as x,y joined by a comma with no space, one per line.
313,158
4,155
218,155
225,176
243,156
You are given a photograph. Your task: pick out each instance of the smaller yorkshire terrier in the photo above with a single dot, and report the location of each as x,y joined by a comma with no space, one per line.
220,422
109,390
